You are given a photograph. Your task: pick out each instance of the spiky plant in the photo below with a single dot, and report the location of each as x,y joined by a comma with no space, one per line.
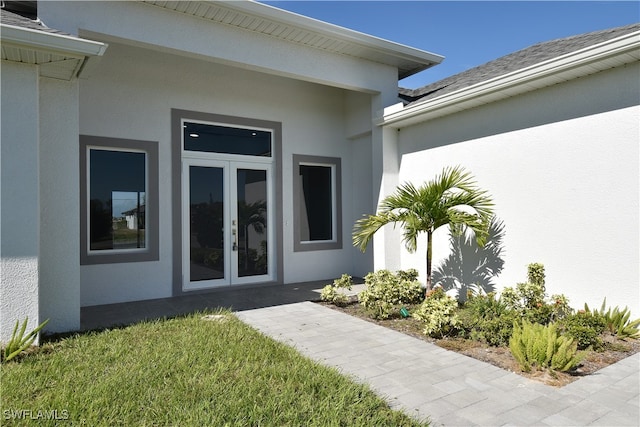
451,198
618,322
19,342
537,346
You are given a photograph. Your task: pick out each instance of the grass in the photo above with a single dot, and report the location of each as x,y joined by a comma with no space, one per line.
184,371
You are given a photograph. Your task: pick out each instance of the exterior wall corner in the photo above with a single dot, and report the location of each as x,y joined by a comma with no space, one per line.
19,198
59,255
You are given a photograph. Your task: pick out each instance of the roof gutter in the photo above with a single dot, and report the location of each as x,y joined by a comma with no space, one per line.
40,41
51,42
530,78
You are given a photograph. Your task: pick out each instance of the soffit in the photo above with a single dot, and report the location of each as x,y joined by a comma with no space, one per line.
294,28
58,55
52,65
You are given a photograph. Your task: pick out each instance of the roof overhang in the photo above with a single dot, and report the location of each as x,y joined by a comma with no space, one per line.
294,28
59,56
610,54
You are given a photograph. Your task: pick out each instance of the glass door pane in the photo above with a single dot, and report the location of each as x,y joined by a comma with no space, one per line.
206,223
252,220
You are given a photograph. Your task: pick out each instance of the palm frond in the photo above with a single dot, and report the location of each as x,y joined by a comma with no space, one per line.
412,228
368,225
451,198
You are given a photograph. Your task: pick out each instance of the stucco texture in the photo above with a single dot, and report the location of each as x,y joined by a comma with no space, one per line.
562,166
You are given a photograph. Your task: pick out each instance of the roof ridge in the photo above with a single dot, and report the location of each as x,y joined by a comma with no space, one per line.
589,34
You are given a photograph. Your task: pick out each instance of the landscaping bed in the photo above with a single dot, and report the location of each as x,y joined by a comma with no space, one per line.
522,330
615,349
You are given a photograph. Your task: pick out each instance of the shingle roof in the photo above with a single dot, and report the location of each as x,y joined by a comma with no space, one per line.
28,9
515,61
10,18
58,55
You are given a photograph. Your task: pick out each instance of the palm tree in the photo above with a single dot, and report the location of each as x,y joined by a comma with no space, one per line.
450,199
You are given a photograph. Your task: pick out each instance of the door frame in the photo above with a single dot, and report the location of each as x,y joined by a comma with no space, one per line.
276,255
230,213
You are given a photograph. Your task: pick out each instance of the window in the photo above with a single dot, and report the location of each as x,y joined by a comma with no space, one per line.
213,138
317,203
119,199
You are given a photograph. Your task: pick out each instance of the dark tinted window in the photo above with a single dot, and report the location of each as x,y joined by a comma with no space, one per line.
117,196
317,206
227,140
317,202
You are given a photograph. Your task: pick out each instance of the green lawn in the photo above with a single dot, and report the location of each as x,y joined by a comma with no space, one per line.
181,372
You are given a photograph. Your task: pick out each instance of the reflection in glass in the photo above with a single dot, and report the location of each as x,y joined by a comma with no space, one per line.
252,222
117,181
206,209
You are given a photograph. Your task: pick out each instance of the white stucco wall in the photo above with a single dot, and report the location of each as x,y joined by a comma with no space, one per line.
131,96
562,165
361,202
19,198
160,60
59,201
200,38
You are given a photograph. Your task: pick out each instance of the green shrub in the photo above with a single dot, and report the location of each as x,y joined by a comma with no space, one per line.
529,299
381,310
525,296
331,293
617,321
495,331
386,292
485,306
410,275
559,307
537,346
536,274
585,328
19,342
438,311
485,318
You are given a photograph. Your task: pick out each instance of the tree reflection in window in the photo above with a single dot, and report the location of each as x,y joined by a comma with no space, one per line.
117,192
252,222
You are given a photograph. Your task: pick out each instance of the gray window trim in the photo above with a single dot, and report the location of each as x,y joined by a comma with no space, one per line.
298,245
152,252
177,115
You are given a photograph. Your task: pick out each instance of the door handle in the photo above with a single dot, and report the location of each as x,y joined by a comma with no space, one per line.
234,245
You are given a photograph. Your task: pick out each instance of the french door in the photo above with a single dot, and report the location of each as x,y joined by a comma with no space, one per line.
227,223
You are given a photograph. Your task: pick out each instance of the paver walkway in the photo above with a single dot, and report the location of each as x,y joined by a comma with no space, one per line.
451,389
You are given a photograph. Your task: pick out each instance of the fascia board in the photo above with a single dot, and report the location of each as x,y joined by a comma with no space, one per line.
547,70
386,47
50,42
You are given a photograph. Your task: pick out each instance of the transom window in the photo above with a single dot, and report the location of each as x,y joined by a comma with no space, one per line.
248,153
213,138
